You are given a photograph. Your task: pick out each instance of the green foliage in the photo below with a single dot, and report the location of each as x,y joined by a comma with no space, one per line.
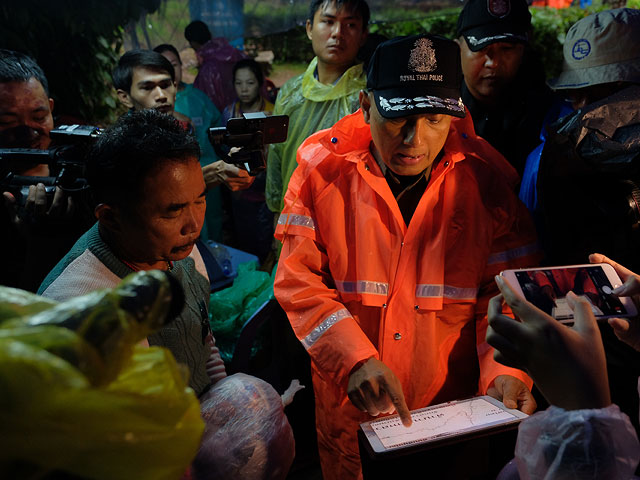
442,22
550,28
291,46
75,43
264,17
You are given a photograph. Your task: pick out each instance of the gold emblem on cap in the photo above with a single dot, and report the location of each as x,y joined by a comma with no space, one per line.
423,57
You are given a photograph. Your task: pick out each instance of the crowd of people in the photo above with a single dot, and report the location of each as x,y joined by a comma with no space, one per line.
414,172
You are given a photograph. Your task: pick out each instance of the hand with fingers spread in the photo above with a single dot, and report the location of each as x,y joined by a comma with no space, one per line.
374,388
627,330
513,393
567,363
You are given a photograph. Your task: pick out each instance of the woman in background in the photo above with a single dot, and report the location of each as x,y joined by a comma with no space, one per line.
252,221
247,80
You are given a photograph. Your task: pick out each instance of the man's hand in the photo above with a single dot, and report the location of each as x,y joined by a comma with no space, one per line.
36,209
374,388
513,393
627,330
221,172
567,363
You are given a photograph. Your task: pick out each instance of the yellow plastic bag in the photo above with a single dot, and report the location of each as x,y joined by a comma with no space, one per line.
145,424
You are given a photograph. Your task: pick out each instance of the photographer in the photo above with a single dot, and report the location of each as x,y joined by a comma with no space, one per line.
41,228
582,434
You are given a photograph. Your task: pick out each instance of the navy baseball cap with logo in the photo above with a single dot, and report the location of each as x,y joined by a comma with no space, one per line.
415,75
483,22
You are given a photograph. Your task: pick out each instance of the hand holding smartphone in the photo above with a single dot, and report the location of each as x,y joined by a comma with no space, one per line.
547,288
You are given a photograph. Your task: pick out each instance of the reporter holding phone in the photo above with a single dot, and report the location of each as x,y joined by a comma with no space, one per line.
581,431
626,329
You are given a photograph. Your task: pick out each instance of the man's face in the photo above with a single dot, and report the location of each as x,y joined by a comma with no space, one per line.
336,35
489,71
25,115
406,145
167,221
581,97
150,89
175,62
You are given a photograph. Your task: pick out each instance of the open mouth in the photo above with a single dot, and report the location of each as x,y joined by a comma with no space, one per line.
183,248
409,159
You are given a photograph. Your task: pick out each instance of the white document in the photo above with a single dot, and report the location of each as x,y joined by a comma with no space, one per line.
438,422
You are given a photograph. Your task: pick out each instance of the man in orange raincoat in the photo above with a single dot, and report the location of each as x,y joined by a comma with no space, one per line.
396,221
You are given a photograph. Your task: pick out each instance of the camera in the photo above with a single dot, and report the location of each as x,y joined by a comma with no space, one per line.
66,161
248,134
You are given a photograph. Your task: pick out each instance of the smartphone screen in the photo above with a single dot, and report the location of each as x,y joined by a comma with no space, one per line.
547,289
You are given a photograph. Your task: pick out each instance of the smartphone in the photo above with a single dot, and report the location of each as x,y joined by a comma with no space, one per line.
547,289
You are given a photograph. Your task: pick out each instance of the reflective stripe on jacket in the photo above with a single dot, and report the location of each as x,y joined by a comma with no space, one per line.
356,282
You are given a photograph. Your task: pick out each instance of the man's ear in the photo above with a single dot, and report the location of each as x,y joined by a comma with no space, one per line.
309,29
108,216
125,98
365,105
51,105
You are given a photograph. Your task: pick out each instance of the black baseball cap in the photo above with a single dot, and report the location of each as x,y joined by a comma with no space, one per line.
483,22
416,74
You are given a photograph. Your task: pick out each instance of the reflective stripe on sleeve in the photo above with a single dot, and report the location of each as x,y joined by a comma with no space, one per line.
325,325
362,286
447,291
298,220
512,254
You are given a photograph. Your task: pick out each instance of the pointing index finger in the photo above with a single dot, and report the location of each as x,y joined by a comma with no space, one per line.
397,398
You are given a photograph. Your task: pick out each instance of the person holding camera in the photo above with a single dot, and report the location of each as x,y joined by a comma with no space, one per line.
39,227
586,176
582,434
149,193
252,220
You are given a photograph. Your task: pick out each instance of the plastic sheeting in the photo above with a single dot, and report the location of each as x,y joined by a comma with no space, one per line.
215,76
232,307
568,444
311,106
247,434
80,397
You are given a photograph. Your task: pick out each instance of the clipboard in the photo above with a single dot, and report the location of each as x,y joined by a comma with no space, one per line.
437,424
